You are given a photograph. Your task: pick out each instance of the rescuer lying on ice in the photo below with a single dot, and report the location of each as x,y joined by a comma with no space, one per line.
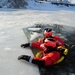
49,46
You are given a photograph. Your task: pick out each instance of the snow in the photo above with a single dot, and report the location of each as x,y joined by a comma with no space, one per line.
72,1
12,21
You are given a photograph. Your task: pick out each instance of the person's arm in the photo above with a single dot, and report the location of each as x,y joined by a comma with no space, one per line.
38,61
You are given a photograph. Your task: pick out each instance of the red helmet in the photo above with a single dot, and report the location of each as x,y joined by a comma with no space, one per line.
48,32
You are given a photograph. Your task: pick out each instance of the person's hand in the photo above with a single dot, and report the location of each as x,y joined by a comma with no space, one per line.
25,45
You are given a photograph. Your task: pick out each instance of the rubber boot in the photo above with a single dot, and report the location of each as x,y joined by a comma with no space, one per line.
24,57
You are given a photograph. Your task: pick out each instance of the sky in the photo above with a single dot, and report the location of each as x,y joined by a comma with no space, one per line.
12,22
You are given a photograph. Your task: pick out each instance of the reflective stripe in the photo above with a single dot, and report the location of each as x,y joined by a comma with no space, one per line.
30,60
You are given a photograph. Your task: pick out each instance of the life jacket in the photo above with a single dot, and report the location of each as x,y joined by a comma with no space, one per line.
63,51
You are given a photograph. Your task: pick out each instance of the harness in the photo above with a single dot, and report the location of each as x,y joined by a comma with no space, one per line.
63,52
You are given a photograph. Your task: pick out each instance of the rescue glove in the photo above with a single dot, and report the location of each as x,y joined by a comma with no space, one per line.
25,45
24,57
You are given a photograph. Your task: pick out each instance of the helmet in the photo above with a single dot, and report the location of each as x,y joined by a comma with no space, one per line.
48,32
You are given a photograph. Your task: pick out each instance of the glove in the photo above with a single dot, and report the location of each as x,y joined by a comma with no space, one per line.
25,45
24,57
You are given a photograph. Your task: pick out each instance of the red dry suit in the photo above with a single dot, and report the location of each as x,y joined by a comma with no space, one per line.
38,44
48,58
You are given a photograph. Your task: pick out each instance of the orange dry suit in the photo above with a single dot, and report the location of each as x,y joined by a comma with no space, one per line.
39,43
50,53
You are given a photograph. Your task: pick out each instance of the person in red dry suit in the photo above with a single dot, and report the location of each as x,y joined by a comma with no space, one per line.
49,47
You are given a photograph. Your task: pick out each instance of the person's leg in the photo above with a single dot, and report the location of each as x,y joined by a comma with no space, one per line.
36,61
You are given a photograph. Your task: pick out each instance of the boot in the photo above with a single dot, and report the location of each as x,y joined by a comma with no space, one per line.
24,57
25,45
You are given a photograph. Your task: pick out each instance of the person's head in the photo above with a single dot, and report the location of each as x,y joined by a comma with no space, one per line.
48,32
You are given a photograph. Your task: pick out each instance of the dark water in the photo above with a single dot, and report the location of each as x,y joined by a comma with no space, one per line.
67,33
